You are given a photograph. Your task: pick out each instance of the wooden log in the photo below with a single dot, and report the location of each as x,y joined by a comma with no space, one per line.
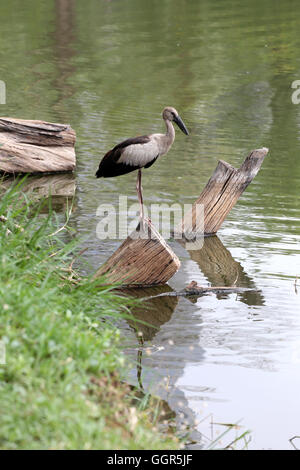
220,195
143,259
36,147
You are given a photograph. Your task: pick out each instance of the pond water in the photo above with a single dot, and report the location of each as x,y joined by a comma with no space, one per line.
108,68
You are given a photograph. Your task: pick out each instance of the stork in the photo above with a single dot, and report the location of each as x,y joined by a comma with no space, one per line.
140,152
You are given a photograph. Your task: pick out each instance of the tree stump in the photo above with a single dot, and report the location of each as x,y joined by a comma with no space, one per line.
36,147
220,195
143,259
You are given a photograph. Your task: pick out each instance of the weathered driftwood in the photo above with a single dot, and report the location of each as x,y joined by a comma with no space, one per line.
36,146
220,195
143,259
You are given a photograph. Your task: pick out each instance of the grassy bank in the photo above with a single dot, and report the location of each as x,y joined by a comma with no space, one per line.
60,385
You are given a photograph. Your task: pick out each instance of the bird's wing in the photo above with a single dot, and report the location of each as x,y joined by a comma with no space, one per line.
142,139
111,163
139,154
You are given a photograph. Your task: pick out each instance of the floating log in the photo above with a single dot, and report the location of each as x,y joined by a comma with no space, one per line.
36,147
143,259
220,195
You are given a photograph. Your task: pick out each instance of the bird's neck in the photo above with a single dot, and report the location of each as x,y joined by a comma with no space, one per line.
170,134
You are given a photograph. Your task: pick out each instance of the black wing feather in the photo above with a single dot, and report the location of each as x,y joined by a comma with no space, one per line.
151,163
109,165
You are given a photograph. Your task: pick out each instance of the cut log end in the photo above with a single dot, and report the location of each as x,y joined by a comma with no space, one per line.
143,259
36,147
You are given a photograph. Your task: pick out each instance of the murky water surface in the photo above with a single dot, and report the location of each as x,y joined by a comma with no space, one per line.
108,68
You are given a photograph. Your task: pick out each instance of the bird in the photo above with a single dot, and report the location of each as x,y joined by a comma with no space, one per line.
141,152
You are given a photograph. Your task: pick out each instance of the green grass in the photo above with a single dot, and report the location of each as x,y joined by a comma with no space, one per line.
60,387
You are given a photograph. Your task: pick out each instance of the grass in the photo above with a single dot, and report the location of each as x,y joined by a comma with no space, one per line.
61,385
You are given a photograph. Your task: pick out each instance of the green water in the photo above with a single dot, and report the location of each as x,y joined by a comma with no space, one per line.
108,68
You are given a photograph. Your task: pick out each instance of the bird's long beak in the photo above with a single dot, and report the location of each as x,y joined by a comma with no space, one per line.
181,124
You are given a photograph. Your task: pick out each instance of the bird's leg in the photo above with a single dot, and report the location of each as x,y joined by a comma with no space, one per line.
140,196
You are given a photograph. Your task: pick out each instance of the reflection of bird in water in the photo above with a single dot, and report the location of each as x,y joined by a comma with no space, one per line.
148,316
157,364
140,152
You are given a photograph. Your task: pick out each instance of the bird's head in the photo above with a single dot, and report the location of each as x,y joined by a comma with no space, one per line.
170,114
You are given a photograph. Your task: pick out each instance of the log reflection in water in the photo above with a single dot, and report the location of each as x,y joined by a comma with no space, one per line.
156,312
221,269
61,188
152,313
